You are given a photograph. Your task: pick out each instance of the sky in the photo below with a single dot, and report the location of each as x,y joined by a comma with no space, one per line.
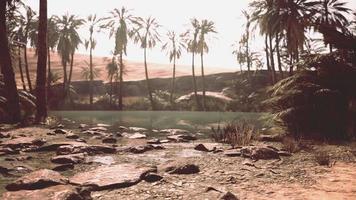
172,15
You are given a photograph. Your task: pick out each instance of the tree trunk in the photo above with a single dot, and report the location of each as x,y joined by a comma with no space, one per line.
195,82
267,59
41,97
10,89
148,82
20,67
173,80
279,55
291,65
49,73
64,64
70,77
121,82
111,76
203,78
91,71
27,71
272,59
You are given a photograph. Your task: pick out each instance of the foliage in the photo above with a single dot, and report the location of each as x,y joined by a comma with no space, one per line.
235,134
322,158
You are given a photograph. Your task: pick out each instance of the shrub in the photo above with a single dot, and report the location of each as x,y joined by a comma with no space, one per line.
291,145
322,158
235,134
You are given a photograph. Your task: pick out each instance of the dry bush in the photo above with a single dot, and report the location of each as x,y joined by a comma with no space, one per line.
322,158
235,134
291,145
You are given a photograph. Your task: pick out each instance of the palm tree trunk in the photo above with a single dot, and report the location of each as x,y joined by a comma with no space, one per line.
121,82
291,65
64,64
173,80
27,71
111,76
20,67
91,73
148,82
13,105
203,78
195,82
267,59
49,73
41,97
70,70
279,55
272,59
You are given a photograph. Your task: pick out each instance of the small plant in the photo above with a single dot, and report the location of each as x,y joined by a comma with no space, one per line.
291,145
235,134
323,158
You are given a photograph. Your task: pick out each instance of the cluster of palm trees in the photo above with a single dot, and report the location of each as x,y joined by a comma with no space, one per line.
285,25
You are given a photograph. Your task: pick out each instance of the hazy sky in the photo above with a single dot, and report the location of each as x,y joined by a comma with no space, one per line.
172,15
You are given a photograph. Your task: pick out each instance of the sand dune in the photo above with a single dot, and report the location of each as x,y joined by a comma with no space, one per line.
134,69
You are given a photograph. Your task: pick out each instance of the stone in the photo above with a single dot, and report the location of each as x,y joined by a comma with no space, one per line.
23,142
180,168
81,140
137,136
98,129
92,132
90,149
174,131
232,153
181,138
72,136
61,131
4,135
202,147
228,196
103,125
109,140
64,167
111,177
82,126
152,177
144,148
284,153
37,180
59,192
154,141
137,129
69,159
271,138
259,152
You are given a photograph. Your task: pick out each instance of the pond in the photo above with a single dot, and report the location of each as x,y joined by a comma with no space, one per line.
192,121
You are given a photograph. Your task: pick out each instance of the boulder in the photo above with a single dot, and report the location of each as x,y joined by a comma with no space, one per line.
111,140
228,196
59,192
204,147
55,145
111,177
259,152
72,136
69,159
37,180
144,148
61,131
4,135
180,168
152,177
23,142
137,136
90,149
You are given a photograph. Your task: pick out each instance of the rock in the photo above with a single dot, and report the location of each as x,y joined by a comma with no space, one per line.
23,158
90,149
271,138
109,140
4,135
69,159
92,132
144,148
181,137
181,168
174,131
103,125
61,131
59,192
154,141
259,152
152,177
23,142
82,126
37,180
284,153
137,129
64,167
228,196
72,136
111,177
202,147
123,128
137,136
232,153
8,150
98,129
164,141
4,170
81,140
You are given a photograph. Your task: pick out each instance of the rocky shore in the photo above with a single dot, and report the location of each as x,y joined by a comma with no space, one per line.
96,162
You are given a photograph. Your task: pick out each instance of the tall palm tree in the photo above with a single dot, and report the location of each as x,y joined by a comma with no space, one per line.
174,47
89,73
13,103
52,41
67,43
333,14
191,37
41,96
90,44
119,24
113,72
207,27
246,39
146,34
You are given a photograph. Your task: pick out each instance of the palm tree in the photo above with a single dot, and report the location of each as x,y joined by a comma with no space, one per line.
113,72
246,39
10,89
89,73
146,34
41,97
174,50
119,23
191,37
52,41
67,43
206,28
333,14
90,44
